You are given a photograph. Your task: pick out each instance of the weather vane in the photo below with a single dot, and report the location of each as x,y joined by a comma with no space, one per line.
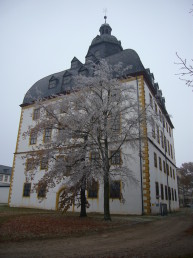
105,12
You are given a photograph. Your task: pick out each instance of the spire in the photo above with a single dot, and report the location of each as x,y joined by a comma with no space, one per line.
105,12
105,28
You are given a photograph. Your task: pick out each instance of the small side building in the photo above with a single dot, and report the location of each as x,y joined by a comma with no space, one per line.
5,178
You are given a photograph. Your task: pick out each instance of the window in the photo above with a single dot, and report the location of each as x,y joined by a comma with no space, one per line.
33,137
175,195
29,164
115,94
1,177
167,126
162,139
165,143
47,135
170,171
49,114
169,193
94,156
168,148
167,168
36,114
172,194
52,84
171,151
162,191
158,139
41,191
160,164
115,189
93,190
153,128
173,174
44,163
166,192
6,178
150,100
116,123
155,160
26,189
164,166
66,80
115,157
164,122
160,116
169,131
155,108
157,190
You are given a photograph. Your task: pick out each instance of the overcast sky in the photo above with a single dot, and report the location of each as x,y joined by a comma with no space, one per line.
41,37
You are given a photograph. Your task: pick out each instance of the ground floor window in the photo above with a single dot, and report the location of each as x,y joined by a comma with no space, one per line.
115,189
41,191
166,192
93,190
162,192
157,190
26,189
175,195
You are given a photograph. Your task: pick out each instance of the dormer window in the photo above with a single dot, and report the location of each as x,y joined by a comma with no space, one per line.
66,79
75,63
52,83
83,71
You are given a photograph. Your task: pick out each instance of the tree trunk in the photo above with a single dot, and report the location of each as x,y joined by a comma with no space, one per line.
83,203
107,215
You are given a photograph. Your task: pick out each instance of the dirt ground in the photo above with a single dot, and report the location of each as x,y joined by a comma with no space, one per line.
170,236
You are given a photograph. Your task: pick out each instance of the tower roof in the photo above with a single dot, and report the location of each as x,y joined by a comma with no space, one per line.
105,44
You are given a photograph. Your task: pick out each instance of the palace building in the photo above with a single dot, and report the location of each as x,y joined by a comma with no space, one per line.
155,169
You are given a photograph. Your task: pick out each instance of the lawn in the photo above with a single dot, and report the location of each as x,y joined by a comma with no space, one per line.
19,224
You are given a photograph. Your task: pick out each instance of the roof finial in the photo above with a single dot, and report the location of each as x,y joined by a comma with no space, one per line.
105,12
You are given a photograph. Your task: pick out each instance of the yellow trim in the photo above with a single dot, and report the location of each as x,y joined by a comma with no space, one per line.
16,149
145,150
58,196
128,79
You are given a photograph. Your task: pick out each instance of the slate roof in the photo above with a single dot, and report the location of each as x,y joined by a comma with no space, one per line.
103,46
5,170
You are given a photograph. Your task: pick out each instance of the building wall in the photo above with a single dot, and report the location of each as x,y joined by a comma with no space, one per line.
131,191
157,174
4,193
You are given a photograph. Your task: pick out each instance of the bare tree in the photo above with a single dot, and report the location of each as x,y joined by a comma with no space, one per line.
186,71
186,182
92,124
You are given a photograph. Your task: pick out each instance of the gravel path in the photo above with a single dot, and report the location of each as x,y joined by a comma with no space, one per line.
170,236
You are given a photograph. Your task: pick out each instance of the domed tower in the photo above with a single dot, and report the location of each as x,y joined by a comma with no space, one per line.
105,44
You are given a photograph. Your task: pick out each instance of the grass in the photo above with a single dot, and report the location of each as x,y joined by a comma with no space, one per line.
19,224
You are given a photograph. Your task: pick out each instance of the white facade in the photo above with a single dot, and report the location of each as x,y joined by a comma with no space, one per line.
152,174
4,194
